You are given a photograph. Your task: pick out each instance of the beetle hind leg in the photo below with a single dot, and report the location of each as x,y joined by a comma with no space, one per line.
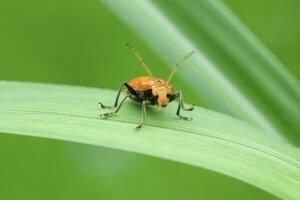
116,100
104,115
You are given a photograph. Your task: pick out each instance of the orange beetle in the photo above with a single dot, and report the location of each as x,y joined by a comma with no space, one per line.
149,90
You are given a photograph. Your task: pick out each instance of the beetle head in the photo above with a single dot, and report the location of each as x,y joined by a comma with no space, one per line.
163,93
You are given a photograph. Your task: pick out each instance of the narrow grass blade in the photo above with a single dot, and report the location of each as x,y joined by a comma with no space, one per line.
212,140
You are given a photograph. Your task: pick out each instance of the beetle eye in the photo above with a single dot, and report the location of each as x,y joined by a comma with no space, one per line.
168,95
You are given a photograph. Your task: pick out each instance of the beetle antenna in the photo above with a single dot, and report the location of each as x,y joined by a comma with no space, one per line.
139,58
179,64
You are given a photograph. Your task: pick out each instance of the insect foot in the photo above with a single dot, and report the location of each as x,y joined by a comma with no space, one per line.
103,106
191,108
105,115
139,127
186,118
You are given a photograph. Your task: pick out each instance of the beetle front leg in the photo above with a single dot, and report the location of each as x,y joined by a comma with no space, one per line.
104,115
181,105
143,116
117,97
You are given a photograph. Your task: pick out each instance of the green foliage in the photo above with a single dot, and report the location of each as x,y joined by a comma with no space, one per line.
212,140
231,71
82,43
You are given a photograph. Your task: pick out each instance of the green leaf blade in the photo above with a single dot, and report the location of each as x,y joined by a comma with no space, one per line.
212,140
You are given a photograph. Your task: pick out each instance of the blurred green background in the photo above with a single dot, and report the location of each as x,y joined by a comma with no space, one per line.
82,43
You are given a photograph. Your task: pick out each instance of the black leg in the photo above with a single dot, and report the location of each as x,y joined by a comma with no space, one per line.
143,116
104,115
118,95
181,105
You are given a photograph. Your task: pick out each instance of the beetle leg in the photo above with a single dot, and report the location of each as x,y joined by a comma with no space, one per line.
117,97
180,95
143,116
181,105
104,115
